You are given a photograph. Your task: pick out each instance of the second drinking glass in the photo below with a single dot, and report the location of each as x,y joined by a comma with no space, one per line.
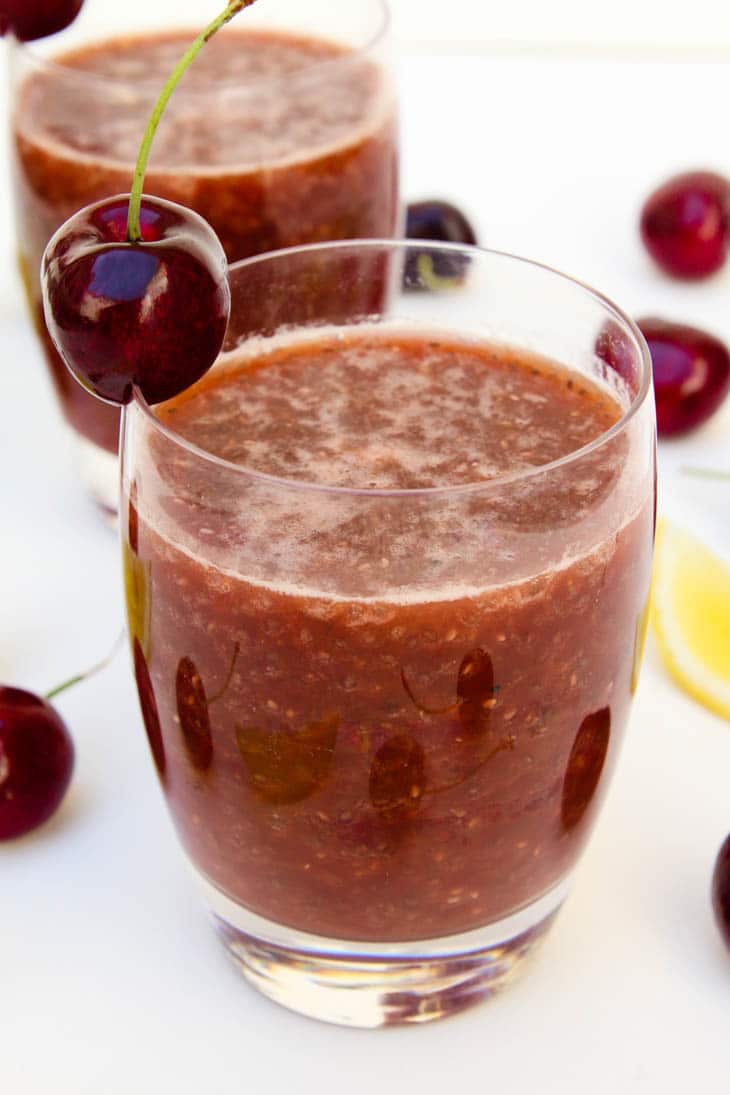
283,132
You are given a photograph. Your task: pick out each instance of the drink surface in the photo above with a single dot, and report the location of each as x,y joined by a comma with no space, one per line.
276,139
252,120
374,410
381,716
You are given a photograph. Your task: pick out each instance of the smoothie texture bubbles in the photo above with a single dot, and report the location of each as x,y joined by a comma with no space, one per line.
433,677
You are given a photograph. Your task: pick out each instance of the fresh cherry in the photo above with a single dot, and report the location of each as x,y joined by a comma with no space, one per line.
31,19
151,314
440,221
691,371
36,761
721,891
685,224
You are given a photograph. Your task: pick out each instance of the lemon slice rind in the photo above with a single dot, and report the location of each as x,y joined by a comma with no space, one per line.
691,616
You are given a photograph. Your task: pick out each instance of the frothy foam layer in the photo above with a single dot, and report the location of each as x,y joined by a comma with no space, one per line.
295,409
265,98
377,410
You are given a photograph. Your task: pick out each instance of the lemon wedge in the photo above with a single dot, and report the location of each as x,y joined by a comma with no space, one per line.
691,616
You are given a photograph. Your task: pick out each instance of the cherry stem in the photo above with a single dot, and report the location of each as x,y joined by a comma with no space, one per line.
222,691
421,707
706,473
89,672
134,234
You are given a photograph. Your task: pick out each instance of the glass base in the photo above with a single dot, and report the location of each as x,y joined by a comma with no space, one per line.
99,472
379,984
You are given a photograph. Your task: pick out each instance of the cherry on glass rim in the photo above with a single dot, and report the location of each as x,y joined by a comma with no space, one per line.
31,19
685,224
36,761
151,314
691,373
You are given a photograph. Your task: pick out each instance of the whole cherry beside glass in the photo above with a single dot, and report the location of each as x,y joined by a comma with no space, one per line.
36,761
442,222
435,219
685,224
691,373
31,19
151,313
721,891
36,754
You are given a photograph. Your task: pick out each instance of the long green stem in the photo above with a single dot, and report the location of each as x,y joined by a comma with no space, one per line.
89,672
134,234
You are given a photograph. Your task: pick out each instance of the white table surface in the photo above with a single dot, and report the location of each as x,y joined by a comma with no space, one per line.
111,980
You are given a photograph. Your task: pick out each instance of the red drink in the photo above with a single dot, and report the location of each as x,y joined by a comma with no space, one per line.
386,587
275,139
391,760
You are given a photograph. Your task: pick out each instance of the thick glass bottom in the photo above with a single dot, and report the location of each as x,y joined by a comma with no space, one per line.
372,984
99,472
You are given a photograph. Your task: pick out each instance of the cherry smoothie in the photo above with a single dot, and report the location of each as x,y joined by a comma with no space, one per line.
384,708
275,139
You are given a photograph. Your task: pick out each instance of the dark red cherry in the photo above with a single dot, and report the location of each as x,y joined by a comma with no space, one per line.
691,371
443,222
36,761
721,891
685,224
438,220
151,314
31,19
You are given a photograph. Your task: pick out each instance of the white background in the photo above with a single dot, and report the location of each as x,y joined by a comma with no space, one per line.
111,980
649,24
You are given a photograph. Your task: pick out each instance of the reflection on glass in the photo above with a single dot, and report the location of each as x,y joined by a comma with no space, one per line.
286,766
585,765
148,704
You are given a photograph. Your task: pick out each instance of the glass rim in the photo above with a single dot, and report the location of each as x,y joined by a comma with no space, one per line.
53,63
517,476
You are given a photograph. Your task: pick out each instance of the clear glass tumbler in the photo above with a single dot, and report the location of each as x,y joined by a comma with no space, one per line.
386,622
282,133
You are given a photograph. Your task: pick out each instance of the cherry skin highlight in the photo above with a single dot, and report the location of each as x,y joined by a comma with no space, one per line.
685,224
691,371
151,314
36,761
721,891
31,19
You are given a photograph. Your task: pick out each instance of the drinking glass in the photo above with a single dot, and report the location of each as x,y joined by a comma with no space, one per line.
270,158
384,719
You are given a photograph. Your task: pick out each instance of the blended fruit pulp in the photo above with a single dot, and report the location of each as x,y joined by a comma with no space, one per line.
276,140
379,715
